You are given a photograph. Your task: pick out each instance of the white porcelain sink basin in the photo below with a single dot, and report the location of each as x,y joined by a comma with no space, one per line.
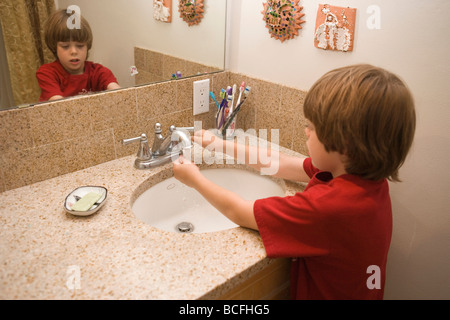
172,206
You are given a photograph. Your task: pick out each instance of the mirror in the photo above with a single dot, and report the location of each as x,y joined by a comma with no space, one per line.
126,35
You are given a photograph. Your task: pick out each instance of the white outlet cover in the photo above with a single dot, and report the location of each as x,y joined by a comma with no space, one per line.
201,96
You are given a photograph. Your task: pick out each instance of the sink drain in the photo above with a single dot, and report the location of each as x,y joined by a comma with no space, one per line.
184,227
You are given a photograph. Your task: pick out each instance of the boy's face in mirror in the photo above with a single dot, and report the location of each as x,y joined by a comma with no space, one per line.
72,56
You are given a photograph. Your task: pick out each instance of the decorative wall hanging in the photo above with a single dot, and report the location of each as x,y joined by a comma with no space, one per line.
335,27
191,11
283,18
162,10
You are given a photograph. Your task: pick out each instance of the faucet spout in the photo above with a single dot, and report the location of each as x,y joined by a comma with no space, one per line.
175,142
158,141
179,137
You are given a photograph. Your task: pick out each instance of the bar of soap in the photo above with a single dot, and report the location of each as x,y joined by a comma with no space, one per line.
86,202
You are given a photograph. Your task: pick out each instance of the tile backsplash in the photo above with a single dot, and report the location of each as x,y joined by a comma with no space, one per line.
52,139
155,66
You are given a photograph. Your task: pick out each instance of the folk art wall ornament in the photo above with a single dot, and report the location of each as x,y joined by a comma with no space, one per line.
283,18
191,11
335,28
162,10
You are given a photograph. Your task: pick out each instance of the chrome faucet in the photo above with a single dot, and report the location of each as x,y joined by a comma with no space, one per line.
164,149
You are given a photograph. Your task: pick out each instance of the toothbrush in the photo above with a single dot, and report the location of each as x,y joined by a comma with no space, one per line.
247,91
221,114
231,118
214,98
222,93
229,96
229,100
241,90
229,91
232,98
233,115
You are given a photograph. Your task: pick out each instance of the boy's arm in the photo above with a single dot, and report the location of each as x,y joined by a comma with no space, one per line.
230,204
56,97
112,86
50,88
288,167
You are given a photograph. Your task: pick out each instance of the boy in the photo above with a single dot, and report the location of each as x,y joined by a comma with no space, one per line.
361,126
71,74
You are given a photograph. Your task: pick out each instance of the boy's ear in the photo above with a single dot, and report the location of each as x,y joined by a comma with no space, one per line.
343,158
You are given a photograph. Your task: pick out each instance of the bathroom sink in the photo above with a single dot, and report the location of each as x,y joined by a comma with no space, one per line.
172,206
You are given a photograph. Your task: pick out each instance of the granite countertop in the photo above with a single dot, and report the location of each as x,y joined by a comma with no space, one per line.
46,253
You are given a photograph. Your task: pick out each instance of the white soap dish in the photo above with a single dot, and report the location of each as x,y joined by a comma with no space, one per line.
80,192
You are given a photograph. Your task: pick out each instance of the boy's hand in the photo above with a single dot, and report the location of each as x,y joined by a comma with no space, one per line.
206,139
186,172
238,210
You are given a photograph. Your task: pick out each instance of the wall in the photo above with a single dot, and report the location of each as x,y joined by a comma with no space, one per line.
412,42
130,23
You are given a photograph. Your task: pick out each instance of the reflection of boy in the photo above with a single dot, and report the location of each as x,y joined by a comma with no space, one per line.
361,124
71,74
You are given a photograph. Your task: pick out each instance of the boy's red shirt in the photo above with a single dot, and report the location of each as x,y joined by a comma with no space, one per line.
55,80
335,229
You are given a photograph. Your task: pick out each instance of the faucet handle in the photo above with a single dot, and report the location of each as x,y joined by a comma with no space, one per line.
128,141
158,128
144,151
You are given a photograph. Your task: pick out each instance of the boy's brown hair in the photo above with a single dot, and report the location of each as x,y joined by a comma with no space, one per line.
56,30
367,114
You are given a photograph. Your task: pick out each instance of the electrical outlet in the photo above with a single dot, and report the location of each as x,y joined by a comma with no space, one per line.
201,96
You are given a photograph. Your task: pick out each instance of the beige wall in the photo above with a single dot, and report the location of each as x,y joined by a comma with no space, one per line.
412,42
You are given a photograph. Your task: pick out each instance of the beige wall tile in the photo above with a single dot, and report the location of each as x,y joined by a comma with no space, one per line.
145,77
170,65
156,100
84,153
266,99
139,59
49,161
112,111
154,63
15,130
18,168
61,120
155,66
291,115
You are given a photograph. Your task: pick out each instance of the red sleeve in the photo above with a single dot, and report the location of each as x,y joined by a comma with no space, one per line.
48,82
290,227
309,168
102,77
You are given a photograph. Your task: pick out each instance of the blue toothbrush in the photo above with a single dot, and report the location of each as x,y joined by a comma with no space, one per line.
214,98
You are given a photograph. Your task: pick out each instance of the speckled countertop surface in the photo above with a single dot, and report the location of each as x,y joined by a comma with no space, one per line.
46,253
